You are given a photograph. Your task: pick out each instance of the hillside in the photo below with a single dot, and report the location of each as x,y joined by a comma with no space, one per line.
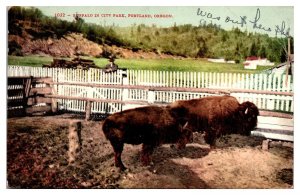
68,45
31,32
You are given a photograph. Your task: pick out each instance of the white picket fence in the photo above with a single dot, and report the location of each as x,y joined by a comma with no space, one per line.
213,80
272,82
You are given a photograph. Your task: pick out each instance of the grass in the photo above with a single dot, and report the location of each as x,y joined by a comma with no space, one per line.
185,65
29,60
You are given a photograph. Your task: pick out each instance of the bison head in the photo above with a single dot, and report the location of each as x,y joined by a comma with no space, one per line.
248,113
186,136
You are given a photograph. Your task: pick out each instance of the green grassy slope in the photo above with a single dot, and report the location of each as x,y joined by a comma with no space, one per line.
186,65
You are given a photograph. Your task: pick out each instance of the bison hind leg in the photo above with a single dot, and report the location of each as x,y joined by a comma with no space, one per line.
118,148
147,151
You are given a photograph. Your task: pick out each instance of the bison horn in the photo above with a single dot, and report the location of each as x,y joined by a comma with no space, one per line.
246,111
185,125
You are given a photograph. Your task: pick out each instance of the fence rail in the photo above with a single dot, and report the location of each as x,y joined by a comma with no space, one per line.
268,92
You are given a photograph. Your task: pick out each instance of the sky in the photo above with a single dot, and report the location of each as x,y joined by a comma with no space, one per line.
272,20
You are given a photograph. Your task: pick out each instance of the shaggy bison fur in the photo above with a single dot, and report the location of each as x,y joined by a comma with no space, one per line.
219,115
150,126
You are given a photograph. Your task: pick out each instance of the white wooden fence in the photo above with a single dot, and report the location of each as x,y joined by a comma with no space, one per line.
208,80
272,82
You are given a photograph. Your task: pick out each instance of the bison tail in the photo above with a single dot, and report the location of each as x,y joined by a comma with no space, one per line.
107,124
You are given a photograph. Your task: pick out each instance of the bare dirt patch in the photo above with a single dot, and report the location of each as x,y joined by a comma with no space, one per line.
37,158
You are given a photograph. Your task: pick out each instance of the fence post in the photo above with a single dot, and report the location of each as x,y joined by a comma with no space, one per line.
88,106
125,92
74,140
151,96
88,110
53,100
26,89
125,81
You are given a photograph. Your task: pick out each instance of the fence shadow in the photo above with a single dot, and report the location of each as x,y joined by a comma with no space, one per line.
192,151
166,173
164,165
183,174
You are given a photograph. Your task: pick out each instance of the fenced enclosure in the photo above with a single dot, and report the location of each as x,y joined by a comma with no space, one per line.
268,91
95,92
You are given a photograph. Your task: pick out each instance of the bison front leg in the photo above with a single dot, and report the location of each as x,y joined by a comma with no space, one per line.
210,138
147,151
118,148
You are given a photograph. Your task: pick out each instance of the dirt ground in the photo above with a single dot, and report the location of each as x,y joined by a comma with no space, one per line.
37,157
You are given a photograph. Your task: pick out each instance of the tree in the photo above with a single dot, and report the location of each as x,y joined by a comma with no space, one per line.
203,49
224,36
262,52
253,49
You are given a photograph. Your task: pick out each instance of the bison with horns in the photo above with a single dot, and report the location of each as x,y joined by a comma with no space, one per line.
150,126
218,115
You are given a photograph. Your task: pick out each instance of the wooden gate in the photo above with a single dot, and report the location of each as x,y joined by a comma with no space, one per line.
26,96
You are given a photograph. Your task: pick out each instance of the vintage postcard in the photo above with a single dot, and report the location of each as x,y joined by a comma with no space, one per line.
130,97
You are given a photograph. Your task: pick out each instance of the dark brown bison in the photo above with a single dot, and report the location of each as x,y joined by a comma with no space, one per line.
219,115
150,126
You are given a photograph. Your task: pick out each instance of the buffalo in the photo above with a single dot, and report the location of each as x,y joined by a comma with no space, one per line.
218,115
150,126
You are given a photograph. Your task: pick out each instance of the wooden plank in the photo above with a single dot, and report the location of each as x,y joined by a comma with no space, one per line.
33,109
275,131
101,100
273,135
275,114
27,87
14,103
15,92
15,112
275,127
16,80
46,80
40,91
179,89
275,120
37,100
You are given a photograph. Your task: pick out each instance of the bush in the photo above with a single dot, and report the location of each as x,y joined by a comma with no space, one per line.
14,49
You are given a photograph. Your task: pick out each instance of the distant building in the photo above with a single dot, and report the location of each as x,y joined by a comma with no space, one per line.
220,60
252,62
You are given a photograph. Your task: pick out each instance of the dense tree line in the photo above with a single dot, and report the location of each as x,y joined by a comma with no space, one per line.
184,40
208,42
